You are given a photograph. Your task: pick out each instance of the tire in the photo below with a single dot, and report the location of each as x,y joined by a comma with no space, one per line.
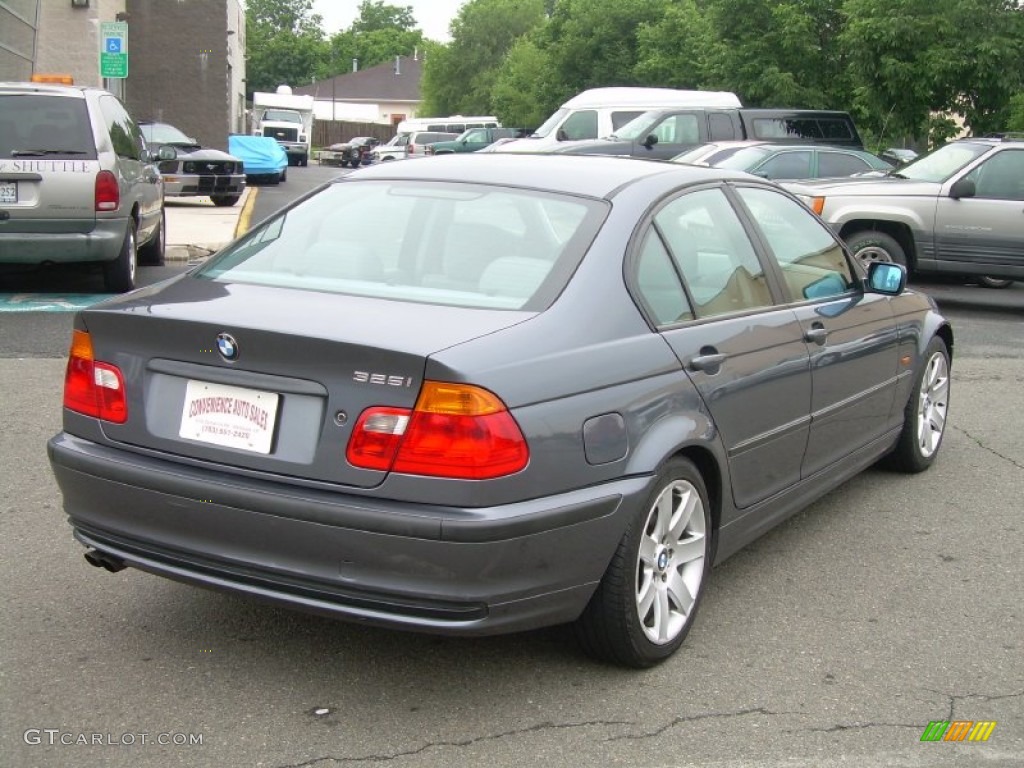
283,176
648,598
924,418
225,201
870,245
119,274
994,282
355,163
154,252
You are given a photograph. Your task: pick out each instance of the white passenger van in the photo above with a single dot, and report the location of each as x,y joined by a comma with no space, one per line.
453,124
601,111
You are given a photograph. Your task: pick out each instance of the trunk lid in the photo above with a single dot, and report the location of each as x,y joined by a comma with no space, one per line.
307,365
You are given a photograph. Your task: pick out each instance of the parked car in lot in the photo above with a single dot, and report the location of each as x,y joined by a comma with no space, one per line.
403,145
351,153
957,210
784,161
77,182
262,157
195,170
524,391
473,140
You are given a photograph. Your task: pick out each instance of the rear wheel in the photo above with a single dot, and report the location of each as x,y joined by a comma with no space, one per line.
283,176
355,162
924,419
119,274
154,252
871,245
225,201
647,599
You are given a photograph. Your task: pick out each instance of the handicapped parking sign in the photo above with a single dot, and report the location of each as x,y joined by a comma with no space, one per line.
114,49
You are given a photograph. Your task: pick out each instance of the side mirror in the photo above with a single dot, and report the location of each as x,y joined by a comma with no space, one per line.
167,152
561,135
886,277
962,188
650,141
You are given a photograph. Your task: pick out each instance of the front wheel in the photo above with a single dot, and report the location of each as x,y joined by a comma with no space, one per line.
994,282
871,245
647,599
924,419
225,201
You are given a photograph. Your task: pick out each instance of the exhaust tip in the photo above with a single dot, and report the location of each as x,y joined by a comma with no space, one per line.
99,559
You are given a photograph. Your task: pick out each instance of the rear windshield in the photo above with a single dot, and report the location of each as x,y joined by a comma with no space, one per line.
433,242
38,125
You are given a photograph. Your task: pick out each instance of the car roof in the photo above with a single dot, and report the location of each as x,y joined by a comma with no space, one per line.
74,91
585,175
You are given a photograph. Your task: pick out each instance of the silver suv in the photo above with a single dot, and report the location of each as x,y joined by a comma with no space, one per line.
77,183
957,210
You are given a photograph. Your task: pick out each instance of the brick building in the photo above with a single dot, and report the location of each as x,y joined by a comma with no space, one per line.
189,66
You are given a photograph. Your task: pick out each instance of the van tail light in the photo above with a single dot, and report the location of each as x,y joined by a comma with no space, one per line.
91,387
108,194
454,430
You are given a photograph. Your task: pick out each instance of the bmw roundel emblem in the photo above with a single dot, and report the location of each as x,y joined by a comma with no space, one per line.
227,346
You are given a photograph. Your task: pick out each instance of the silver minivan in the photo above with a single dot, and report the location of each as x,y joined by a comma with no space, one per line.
77,183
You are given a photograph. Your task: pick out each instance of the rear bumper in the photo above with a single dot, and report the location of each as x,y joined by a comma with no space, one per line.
103,243
409,566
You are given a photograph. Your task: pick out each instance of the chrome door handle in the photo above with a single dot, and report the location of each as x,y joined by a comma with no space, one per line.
816,334
709,363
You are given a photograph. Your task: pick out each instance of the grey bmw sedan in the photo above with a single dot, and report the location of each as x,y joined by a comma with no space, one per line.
488,393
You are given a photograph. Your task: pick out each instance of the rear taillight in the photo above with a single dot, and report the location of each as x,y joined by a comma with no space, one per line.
108,195
454,430
93,388
411,149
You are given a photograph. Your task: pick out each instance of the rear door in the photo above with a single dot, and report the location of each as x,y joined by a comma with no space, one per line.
745,355
140,181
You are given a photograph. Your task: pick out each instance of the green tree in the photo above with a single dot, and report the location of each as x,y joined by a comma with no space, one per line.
284,44
458,78
376,15
526,89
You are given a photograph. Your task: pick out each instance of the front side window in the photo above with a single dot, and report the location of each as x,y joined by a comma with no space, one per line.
713,253
432,242
580,125
786,165
812,261
1001,177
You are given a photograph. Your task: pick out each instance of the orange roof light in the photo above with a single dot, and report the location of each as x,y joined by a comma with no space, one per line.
53,78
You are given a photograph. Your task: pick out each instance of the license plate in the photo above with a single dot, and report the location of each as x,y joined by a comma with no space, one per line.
232,417
8,191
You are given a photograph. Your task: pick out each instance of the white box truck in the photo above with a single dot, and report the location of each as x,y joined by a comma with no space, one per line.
286,117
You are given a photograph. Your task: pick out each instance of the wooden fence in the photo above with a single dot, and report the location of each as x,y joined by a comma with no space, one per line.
327,132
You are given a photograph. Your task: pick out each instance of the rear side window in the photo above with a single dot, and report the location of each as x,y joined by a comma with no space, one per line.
786,165
38,125
124,133
620,118
714,254
432,242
